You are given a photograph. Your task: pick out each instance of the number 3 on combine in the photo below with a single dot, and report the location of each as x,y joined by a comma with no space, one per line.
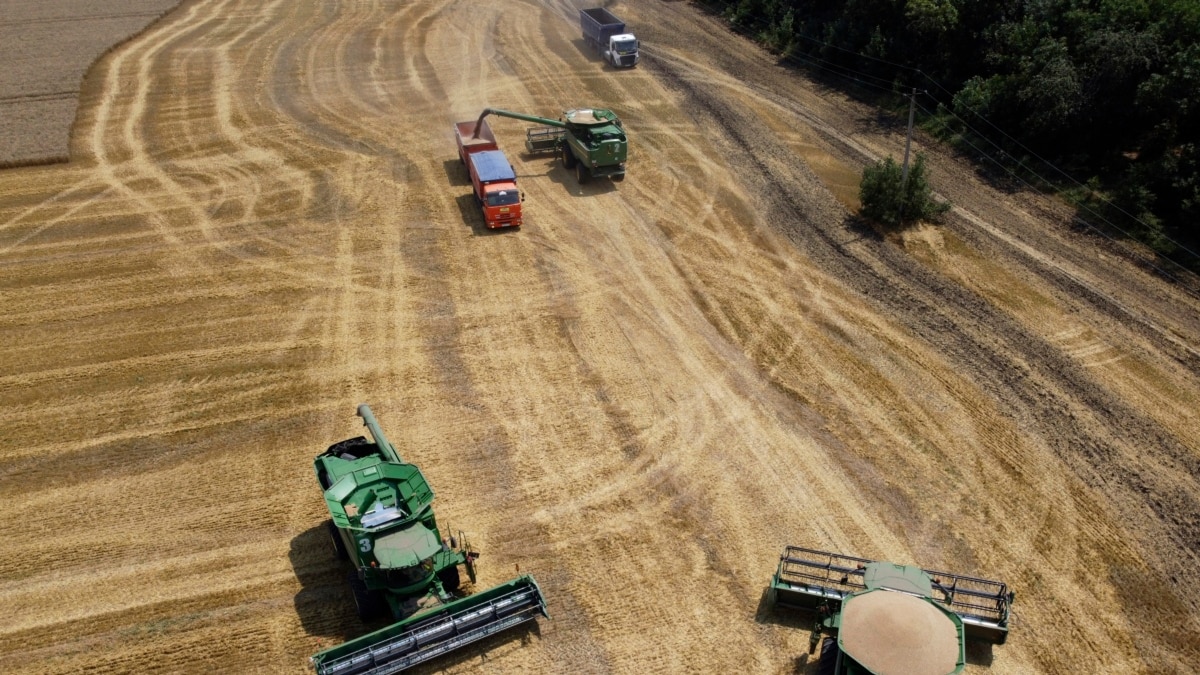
364,545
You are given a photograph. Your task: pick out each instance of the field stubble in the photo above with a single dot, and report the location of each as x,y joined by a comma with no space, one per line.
641,397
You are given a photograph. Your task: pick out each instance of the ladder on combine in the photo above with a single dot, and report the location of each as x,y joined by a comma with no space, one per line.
437,632
808,579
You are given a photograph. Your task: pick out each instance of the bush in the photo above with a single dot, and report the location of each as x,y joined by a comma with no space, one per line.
886,199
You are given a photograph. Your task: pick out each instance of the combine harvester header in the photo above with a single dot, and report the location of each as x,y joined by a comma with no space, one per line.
886,619
382,521
406,643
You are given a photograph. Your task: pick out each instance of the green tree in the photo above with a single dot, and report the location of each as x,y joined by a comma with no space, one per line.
931,18
1051,91
1103,88
891,201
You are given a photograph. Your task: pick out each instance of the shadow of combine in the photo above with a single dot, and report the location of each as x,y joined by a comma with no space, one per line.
324,604
790,618
979,653
804,663
594,186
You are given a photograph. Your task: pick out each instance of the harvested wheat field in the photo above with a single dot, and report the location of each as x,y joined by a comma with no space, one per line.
640,397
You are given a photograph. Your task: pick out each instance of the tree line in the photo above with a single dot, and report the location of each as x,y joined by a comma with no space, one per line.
1106,90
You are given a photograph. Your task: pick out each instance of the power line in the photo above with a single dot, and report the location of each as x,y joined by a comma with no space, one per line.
856,76
1098,230
891,86
1042,178
1052,166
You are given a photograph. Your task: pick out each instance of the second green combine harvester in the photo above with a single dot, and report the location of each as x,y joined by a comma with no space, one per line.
884,619
382,520
590,141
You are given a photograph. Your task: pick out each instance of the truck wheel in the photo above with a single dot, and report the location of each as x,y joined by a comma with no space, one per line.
339,546
369,604
618,177
449,578
567,158
582,173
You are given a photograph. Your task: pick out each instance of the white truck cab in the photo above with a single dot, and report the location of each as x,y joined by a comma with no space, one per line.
622,50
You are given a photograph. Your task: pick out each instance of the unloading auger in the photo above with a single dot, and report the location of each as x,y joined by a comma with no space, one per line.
591,141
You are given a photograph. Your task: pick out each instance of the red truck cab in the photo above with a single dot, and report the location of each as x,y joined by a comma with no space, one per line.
495,185
492,177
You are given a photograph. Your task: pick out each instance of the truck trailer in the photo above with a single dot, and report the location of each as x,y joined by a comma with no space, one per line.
606,34
492,177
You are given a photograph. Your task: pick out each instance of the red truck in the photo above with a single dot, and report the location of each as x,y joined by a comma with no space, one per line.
492,176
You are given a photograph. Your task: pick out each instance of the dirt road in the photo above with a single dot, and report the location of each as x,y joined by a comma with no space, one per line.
640,397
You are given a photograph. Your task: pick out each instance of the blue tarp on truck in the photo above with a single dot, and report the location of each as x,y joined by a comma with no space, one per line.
492,166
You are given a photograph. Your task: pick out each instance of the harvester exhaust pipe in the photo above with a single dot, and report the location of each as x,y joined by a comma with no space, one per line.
385,446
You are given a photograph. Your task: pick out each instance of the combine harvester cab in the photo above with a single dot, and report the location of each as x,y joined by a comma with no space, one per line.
884,619
382,520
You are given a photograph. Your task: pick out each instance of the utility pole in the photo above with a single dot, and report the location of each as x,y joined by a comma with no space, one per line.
912,105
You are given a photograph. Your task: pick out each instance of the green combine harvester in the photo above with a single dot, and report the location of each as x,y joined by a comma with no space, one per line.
884,619
591,141
382,521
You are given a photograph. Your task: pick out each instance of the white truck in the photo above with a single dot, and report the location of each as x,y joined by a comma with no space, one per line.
606,34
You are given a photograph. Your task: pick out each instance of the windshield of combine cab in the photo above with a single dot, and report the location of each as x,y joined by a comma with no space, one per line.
625,46
406,576
503,198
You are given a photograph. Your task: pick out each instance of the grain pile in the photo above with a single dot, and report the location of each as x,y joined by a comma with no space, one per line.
897,634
